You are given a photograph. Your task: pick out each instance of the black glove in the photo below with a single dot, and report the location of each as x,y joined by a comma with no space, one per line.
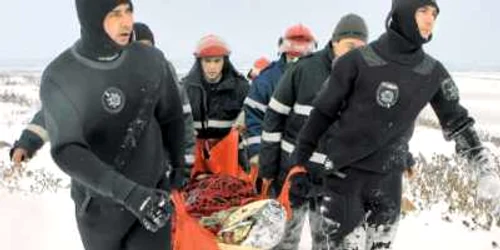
275,178
301,186
306,186
179,177
259,183
151,206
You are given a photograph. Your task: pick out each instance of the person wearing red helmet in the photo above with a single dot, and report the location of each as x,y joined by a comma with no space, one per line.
297,40
259,65
216,90
288,110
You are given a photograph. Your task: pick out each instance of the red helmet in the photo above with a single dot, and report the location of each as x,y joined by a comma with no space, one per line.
257,67
211,45
299,32
261,63
298,40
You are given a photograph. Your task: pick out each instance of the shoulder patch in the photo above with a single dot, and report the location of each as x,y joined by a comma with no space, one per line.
450,89
426,66
371,58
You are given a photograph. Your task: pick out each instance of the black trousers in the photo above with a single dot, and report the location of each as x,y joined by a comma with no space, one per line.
360,211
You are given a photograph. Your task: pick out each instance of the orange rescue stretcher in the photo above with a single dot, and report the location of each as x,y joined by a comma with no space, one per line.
187,232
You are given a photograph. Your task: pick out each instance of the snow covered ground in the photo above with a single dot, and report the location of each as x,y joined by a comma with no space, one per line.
46,221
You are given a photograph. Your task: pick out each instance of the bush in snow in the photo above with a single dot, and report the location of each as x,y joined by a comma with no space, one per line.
450,181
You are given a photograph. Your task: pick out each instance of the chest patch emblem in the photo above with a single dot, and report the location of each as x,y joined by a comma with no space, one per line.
113,100
387,94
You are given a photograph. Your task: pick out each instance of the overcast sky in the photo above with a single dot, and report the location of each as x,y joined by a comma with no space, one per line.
467,33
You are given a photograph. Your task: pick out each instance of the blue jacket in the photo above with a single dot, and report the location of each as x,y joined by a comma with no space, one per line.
255,104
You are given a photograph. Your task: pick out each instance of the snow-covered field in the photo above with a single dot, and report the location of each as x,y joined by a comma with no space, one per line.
46,221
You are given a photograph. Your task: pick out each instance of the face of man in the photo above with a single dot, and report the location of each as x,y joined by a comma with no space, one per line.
345,45
425,17
212,68
118,24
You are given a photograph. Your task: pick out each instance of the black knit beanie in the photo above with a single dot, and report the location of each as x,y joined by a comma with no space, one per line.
350,26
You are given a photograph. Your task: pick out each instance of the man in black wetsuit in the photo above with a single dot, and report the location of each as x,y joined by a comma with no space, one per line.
114,120
372,99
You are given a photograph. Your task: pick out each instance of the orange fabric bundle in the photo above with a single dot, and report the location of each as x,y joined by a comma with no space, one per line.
221,158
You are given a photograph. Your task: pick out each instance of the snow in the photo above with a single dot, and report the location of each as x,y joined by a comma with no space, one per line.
428,231
46,221
38,222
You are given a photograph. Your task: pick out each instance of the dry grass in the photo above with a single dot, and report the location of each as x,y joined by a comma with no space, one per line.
450,180
18,99
27,181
